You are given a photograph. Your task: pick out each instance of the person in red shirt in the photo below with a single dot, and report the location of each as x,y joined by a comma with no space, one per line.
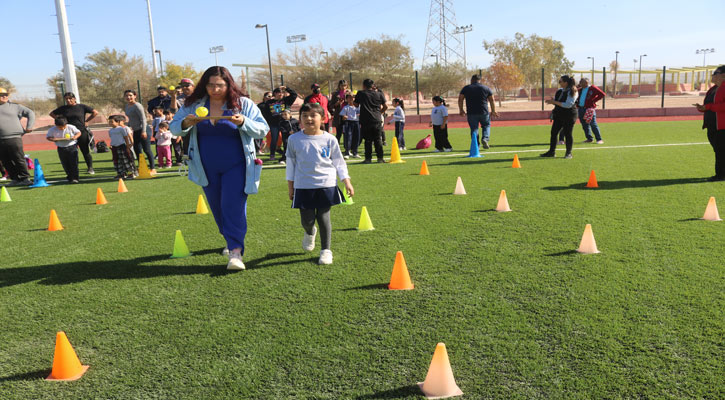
589,95
319,98
713,109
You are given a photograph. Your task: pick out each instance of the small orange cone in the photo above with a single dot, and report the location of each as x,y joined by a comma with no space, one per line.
424,169
439,382
100,197
122,186
459,187
588,245
503,203
54,223
516,163
592,183
711,213
66,365
400,279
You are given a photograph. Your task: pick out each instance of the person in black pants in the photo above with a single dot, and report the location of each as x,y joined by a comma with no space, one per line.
372,105
76,115
137,122
714,121
564,115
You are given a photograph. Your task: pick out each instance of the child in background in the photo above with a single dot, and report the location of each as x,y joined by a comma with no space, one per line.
439,122
158,117
287,126
64,135
351,126
399,120
176,142
121,147
314,161
163,144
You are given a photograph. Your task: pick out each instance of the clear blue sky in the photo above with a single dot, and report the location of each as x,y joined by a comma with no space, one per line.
667,31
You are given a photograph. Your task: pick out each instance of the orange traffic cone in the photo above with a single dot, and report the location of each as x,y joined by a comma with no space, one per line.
100,197
592,183
516,163
122,186
439,382
459,187
400,279
588,245
503,203
54,223
711,213
66,365
424,169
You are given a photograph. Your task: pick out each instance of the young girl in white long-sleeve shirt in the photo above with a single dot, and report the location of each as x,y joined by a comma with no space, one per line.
399,120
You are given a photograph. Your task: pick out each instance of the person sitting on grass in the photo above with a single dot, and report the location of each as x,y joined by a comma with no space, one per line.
314,160
65,137
121,147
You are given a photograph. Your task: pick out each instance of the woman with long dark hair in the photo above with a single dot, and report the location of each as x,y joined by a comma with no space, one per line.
714,121
221,152
564,115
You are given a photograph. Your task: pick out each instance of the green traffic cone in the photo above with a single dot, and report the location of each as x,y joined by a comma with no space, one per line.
4,195
180,249
348,200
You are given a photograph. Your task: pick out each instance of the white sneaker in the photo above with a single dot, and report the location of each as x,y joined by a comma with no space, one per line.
436,151
325,257
308,241
225,252
235,262
448,150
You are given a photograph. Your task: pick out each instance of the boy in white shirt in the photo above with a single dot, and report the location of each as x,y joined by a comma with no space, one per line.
351,126
64,135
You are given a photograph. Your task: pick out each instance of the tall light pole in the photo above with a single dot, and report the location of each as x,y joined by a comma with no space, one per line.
153,45
69,67
436,56
161,64
269,54
704,54
592,58
214,50
639,78
463,30
616,69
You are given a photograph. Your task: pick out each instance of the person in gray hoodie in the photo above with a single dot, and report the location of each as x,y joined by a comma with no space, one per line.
12,154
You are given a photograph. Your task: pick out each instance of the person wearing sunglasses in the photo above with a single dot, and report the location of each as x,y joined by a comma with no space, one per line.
713,109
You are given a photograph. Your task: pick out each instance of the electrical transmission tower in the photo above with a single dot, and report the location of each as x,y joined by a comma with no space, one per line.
440,39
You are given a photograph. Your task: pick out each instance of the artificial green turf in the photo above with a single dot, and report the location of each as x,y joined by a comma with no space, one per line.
522,314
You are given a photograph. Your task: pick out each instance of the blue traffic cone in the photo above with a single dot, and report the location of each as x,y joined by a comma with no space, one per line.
39,179
474,153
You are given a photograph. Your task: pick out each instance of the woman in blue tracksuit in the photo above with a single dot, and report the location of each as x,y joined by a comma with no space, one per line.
221,152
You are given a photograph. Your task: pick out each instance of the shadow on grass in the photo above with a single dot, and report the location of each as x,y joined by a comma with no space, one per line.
27,376
75,272
690,219
403,391
374,286
485,211
614,185
344,230
563,253
260,262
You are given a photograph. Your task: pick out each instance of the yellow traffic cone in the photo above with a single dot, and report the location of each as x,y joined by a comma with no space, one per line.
143,168
66,365
503,203
588,245
439,382
365,223
201,206
395,153
711,213
459,187
180,249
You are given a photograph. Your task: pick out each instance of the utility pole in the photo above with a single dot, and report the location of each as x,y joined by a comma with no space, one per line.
69,67
153,45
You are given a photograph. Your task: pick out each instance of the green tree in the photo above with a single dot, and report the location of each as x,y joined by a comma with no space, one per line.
530,54
5,83
174,73
387,61
439,80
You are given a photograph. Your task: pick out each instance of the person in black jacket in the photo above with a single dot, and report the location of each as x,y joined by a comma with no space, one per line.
287,126
282,99
564,115
163,100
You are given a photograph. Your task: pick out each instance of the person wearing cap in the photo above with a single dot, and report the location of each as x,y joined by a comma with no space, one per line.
163,100
372,105
319,98
12,154
713,109
75,114
282,99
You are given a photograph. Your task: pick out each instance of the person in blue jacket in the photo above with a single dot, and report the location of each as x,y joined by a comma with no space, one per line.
221,152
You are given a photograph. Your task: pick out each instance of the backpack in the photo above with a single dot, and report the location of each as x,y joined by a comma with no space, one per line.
101,147
29,162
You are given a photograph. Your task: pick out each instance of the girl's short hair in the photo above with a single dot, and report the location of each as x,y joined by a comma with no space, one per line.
440,99
312,107
400,103
164,124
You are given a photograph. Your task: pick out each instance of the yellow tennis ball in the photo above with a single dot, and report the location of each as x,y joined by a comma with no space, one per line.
67,135
172,87
202,112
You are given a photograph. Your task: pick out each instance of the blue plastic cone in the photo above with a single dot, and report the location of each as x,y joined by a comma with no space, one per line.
474,153
39,178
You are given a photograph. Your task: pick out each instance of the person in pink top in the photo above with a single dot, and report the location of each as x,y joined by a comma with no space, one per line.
163,144
319,98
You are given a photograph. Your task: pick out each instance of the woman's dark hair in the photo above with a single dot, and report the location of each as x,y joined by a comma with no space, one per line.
400,103
125,92
719,70
233,91
570,83
341,82
314,107
441,99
